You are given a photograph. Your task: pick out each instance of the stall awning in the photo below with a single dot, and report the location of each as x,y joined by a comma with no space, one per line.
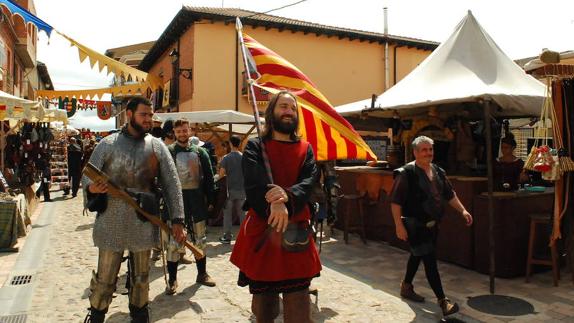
467,67
51,115
210,117
13,107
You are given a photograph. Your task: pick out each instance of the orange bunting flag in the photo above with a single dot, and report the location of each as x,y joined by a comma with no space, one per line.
331,136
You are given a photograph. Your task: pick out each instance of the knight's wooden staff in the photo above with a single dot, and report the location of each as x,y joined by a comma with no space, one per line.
98,176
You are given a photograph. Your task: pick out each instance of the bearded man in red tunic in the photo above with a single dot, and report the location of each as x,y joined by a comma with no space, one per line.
269,251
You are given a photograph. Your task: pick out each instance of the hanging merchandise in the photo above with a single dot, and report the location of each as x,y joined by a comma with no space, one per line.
541,158
59,161
104,110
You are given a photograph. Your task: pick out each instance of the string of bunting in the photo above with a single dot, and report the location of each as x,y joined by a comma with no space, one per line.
93,104
112,66
94,94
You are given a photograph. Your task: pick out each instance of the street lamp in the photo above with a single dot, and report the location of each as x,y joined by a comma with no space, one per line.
185,72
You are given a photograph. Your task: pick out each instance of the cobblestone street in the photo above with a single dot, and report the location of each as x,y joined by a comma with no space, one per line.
358,284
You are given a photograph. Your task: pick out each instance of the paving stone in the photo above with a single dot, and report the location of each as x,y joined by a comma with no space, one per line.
358,284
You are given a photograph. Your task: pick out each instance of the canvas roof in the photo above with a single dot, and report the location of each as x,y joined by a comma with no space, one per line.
466,68
210,116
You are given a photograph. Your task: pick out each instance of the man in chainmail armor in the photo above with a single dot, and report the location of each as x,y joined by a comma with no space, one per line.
135,161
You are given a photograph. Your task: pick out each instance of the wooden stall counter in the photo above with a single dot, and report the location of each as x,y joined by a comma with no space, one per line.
376,183
455,241
511,229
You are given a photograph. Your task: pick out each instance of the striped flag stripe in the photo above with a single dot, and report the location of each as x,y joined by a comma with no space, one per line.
309,99
330,135
340,144
312,97
267,56
310,130
294,81
331,145
311,133
345,129
321,140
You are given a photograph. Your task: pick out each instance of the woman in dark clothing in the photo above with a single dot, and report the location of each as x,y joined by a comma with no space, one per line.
509,169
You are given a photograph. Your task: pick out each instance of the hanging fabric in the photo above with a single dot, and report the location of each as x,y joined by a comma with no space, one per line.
70,105
104,110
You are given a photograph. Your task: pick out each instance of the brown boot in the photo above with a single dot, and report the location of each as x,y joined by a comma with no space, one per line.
408,292
171,288
205,280
447,306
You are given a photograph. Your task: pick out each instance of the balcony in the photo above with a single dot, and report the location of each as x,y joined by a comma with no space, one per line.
26,51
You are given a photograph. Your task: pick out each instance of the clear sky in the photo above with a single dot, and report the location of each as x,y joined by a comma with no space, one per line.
520,28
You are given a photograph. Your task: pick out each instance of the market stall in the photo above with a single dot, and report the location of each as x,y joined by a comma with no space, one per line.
25,138
459,96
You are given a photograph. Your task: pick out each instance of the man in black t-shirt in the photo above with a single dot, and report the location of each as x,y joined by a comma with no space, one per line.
417,204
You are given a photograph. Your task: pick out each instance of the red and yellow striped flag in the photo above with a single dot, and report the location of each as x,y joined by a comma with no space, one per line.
331,136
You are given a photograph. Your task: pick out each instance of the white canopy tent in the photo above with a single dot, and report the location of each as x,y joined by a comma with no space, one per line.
213,116
15,108
467,67
223,120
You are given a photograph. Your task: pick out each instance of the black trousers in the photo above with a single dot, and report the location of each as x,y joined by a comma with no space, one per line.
431,271
44,189
75,176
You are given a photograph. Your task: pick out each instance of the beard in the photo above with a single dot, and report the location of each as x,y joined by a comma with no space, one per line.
286,127
138,128
182,140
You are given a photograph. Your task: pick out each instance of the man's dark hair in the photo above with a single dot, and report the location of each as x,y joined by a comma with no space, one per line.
509,140
180,122
132,103
269,114
167,129
235,141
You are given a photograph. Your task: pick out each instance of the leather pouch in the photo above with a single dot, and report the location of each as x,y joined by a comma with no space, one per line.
297,237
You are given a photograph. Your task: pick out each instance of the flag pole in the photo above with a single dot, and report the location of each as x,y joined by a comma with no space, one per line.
253,100
239,28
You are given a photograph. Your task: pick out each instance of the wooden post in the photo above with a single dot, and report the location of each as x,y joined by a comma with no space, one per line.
489,160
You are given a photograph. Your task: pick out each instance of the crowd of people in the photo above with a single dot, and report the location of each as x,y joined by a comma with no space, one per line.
270,185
